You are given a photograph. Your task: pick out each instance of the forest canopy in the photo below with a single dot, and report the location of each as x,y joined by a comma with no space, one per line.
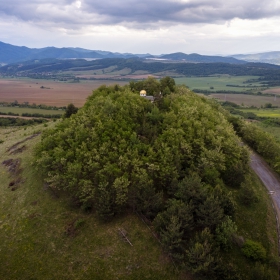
173,161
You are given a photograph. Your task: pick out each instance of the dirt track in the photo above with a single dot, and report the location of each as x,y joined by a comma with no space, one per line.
272,182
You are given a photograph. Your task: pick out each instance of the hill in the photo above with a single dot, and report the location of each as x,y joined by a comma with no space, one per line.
177,161
267,57
45,235
12,54
126,160
197,58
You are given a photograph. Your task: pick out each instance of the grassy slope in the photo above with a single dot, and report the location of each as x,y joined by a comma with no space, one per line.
257,223
42,237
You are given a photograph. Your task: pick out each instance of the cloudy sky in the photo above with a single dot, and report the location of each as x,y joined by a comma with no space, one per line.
142,26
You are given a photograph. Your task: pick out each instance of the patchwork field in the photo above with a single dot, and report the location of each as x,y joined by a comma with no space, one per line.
220,82
247,100
48,92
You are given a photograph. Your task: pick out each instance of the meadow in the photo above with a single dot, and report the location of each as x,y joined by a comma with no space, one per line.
220,82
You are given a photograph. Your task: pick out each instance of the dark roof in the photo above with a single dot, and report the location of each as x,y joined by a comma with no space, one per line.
149,97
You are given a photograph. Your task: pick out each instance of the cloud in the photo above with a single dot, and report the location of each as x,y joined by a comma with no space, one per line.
144,14
157,26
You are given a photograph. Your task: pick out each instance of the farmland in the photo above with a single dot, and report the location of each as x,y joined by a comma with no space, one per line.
266,113
221,82
247,100
53,93
20,111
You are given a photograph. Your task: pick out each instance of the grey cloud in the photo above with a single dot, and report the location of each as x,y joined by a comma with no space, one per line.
137,14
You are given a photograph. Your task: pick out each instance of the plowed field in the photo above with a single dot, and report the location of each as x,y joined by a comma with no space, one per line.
48,92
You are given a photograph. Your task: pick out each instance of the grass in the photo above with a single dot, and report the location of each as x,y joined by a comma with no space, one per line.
43,236
220,82
247,100
20,111
256,222
267,113
274,130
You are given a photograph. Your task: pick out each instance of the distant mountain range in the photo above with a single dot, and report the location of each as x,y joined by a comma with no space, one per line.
13,54
267,57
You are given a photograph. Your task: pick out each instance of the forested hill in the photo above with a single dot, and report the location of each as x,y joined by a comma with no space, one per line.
135,64
175,161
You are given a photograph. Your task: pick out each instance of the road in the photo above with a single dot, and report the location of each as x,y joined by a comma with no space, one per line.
272,182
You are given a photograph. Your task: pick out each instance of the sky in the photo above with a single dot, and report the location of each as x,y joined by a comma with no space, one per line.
209,27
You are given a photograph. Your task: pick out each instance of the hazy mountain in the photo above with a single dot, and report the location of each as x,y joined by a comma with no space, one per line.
267,57
13,54
197,58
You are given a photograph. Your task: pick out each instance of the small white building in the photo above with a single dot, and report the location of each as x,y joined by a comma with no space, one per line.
143,92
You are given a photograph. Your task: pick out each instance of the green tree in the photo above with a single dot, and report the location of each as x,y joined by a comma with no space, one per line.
201,256
167,85
70,110
224,233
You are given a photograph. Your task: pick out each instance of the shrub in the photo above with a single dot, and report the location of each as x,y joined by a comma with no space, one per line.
254,250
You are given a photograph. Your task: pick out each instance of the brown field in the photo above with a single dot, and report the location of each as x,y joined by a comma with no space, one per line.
272,91
55,93
117,77
248,100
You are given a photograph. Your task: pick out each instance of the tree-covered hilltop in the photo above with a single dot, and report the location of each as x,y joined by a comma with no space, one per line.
175,161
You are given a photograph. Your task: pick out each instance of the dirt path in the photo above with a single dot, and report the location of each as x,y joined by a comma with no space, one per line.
272,182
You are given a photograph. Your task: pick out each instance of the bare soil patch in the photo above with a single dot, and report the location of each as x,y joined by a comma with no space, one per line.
14,169
13,165
14,147
18,150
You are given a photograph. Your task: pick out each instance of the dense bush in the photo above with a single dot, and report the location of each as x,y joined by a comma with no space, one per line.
262,142
19,122
254,250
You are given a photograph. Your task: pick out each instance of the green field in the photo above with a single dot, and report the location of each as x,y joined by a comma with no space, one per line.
267,113
20,111
246,99
274,130
220,82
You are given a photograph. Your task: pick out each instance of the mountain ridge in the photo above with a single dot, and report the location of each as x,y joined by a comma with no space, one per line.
14,54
